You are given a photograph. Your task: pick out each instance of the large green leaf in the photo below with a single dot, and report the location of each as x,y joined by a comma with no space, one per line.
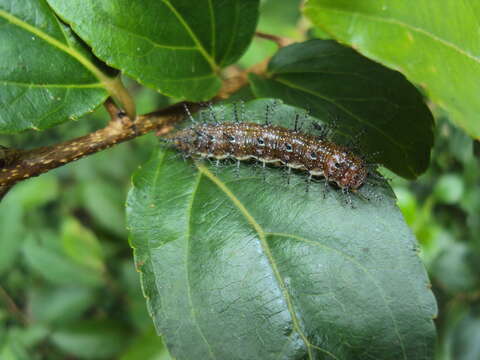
175,46
434,43
234,267
47,76
331,79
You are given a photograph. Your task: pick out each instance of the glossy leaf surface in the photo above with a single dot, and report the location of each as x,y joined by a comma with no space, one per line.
237,267
175,46
434,43
363,98
47,75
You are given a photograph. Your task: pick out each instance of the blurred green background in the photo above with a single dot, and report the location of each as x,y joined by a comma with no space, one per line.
68,285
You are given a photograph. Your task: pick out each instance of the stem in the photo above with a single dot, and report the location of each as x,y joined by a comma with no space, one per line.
17,165
30,163
118,91
280,41
12,307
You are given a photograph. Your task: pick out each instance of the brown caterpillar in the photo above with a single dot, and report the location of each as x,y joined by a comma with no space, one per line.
274,144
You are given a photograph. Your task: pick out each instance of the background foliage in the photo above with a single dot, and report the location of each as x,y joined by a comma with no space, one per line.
68,285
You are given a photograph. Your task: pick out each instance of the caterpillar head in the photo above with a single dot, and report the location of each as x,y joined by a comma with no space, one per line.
347,170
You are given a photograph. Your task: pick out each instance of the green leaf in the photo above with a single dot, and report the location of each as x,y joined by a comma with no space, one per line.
432,42
234,267
36,193
59,305
331,79
14,347
17,341
54,266
12,230
449,188
177,47
104,202
48,76
465,337
130,284
147,346
24,197
99,339
81,245
454,269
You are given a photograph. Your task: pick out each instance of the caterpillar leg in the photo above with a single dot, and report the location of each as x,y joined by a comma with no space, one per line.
326,189
237,169
289,173
309,181
348,197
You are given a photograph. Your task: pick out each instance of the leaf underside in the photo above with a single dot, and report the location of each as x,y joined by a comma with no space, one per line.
435,44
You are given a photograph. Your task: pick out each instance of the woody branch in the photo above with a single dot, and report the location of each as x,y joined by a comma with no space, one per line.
17,164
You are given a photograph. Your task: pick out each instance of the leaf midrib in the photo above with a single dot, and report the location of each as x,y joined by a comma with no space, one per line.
190,32
262,236
57,44
359,266
263,241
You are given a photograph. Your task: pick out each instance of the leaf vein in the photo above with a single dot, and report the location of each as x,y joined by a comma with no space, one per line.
360,266
57,44
182,21
155,44
415,29
263,241
31,85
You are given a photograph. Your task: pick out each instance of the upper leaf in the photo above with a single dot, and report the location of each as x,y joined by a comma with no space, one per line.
177,47
434,43
234,267
47,75
365,97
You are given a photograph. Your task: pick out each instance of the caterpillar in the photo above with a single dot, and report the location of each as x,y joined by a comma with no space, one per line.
270,144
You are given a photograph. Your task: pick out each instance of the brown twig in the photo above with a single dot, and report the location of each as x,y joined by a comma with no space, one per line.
18,165
239,78
12,307
279,40
37,161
